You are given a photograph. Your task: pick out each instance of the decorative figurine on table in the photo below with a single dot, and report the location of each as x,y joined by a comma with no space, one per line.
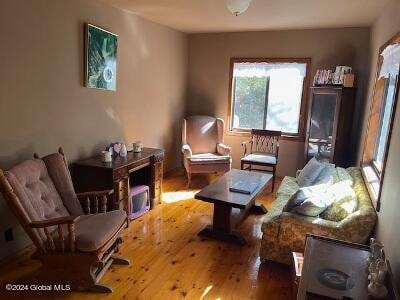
377,269
123,152
117,149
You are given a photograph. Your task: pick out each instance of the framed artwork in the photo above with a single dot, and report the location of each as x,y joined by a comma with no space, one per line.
101,58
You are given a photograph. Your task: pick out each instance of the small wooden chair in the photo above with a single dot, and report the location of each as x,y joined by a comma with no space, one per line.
261,150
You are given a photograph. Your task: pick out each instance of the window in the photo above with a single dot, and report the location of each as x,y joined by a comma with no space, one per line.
383,106
384,121
268,94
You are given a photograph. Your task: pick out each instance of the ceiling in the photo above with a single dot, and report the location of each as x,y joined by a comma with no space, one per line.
193,16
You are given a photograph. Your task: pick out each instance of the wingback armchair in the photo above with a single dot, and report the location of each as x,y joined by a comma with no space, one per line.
74,235
202,146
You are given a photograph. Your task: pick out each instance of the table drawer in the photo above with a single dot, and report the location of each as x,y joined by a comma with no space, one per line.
120,173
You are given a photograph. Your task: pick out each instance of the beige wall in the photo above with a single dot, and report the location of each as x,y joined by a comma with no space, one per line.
386,26
43,104
208,76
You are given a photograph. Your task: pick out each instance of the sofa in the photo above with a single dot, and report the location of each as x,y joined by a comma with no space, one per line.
284,232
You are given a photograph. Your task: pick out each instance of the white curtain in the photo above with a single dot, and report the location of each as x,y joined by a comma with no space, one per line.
391,61
246,69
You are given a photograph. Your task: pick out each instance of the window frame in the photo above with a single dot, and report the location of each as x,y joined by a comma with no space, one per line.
375,162
304,99
372,174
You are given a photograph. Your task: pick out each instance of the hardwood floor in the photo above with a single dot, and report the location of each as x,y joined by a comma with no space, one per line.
169,260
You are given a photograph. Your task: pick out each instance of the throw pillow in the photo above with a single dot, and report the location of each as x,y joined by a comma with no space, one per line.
345,202
302,194
326,176
315,205
309,173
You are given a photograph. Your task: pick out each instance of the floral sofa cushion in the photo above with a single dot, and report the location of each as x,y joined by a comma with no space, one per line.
344,175
345,204
288,186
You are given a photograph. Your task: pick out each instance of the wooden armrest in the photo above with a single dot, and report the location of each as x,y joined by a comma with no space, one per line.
224,146
95,194
246,142
54,221
186,150
223,149
51,244
244,145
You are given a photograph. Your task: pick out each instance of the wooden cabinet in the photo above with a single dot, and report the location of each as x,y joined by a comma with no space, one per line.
329,124
144,168
157,175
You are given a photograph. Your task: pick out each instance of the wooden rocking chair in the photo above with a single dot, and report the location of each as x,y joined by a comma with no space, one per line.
74,235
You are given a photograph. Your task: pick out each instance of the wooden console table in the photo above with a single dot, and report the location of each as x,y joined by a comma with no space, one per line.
143,168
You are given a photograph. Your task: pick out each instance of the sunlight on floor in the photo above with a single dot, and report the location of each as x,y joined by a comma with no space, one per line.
171,197
206,291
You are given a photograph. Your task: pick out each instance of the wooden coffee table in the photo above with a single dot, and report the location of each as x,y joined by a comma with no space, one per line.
231,208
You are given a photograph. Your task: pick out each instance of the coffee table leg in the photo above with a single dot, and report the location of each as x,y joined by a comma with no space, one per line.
222,218
258,209
221,228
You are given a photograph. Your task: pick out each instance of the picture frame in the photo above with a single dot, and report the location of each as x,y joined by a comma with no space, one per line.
100,58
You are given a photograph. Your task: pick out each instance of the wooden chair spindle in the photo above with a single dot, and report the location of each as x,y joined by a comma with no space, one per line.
71,231
50,239
61,238
87,205
96,205
103,208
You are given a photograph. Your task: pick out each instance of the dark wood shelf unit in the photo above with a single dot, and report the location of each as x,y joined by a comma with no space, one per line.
329,124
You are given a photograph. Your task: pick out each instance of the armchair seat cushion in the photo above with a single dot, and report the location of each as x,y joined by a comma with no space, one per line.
209,158
93,231
260,158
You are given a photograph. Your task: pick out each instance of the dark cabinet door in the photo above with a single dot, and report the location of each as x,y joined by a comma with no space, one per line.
322,125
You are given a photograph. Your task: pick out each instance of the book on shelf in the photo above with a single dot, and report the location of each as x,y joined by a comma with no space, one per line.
331,77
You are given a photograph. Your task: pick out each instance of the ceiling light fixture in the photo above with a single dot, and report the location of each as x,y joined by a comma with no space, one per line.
237,6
